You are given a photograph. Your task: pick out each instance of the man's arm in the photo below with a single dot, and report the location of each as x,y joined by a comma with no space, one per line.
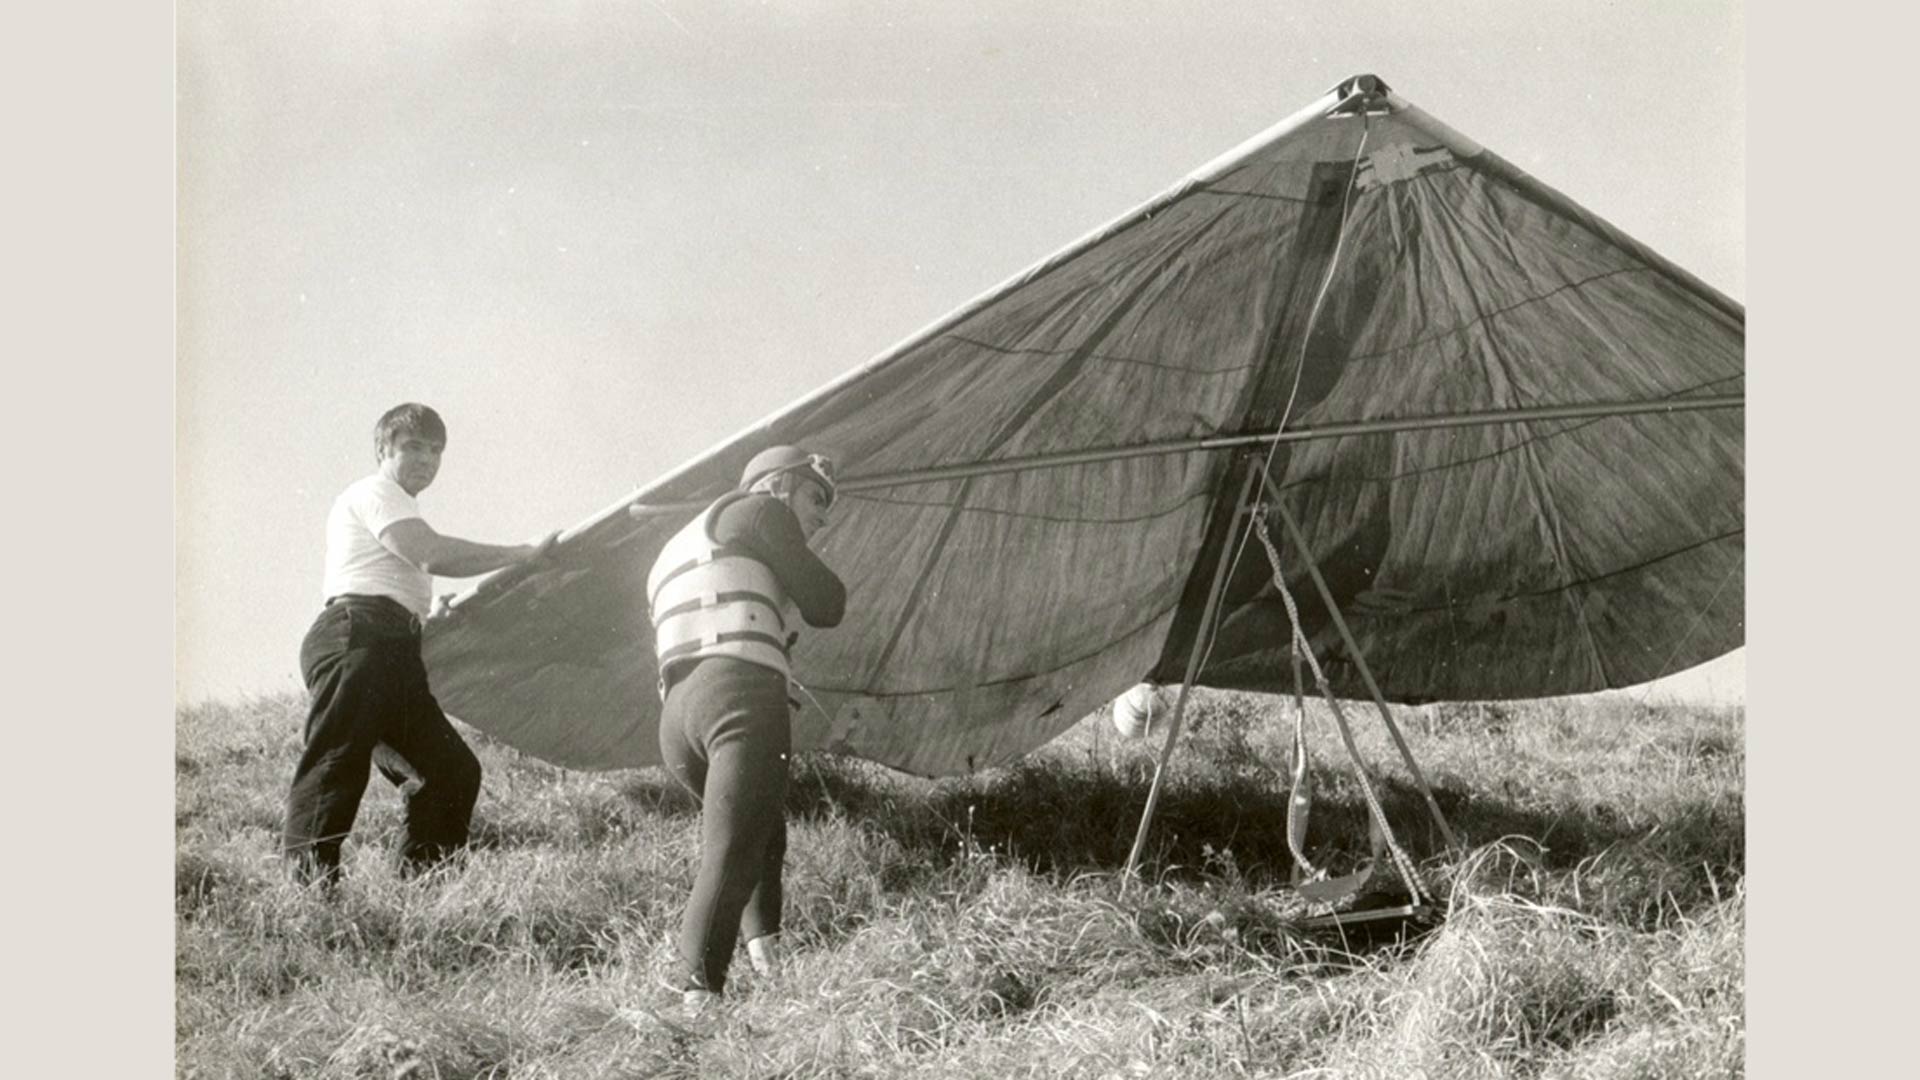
449,556
765,527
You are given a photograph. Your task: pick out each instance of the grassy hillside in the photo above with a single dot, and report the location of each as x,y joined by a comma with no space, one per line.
972,927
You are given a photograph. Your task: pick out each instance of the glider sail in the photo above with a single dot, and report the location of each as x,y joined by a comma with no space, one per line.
1512,437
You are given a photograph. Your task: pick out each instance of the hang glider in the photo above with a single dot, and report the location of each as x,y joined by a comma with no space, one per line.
1511,437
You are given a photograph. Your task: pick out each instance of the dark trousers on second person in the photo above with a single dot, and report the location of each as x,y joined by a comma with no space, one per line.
725,736
371,705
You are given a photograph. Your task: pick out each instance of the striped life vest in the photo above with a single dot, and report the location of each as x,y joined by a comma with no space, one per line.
711,600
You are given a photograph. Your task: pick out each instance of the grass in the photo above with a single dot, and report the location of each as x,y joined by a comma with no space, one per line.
972,927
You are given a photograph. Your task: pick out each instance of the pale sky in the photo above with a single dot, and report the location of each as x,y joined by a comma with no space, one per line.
602,237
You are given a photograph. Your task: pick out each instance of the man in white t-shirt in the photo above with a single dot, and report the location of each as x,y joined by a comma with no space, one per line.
361,662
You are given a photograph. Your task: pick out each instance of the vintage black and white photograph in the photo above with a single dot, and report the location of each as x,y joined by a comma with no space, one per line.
1016,539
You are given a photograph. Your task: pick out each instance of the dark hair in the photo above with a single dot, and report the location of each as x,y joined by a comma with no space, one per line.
411,418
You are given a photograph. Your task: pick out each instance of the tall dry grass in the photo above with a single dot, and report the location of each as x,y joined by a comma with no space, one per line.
972,927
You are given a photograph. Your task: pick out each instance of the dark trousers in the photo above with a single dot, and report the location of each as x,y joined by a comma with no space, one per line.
725,736
371,705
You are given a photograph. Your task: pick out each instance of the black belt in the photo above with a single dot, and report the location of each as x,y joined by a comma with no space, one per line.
383,605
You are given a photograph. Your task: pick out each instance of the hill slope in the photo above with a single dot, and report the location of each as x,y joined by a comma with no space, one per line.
973,927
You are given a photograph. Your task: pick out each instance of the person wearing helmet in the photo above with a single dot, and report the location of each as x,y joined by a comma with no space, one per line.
723,595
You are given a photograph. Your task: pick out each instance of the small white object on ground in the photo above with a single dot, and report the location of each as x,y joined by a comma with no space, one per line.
1134,713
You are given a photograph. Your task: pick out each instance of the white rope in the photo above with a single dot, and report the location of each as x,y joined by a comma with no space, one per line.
1300,796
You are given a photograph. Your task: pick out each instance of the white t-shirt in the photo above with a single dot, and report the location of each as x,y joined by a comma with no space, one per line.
357,562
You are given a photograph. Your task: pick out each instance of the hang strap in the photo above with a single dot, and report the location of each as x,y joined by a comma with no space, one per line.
1401,861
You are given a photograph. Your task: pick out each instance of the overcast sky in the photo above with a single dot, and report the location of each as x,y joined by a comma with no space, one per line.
602,237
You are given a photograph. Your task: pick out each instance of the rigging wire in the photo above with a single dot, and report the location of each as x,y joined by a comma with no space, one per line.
802,687
1326,282
1401,861
1210,629
1698,618
1286,412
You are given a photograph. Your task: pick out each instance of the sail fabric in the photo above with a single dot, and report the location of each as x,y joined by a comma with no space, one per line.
1359,266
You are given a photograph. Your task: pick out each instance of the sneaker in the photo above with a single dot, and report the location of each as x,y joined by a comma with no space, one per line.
690,1014
764,952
